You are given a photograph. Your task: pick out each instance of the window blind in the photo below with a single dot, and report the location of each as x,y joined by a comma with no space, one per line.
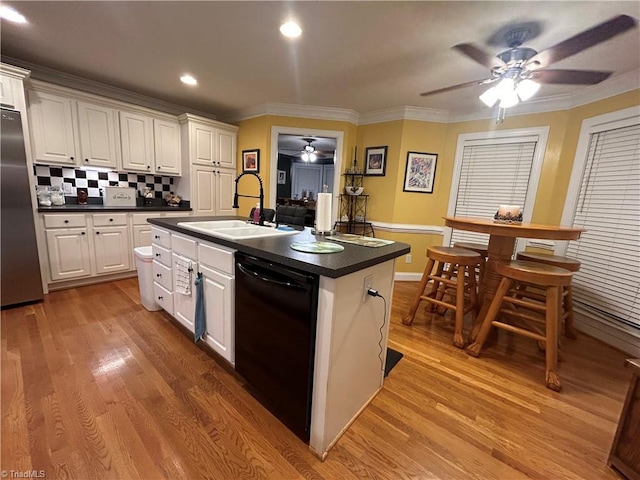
491,174
608,207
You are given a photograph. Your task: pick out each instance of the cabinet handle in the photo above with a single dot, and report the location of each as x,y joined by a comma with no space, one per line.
82,233
159,275
97,233
158,168
72,158
148,167
157,237
86,159
66,221
160,298
157,255
111,219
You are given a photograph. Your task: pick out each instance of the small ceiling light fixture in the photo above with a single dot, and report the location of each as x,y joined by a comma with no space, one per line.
188,79
308,152
509,92
290,29
12,15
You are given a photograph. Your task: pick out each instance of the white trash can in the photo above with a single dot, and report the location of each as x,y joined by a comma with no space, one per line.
144,265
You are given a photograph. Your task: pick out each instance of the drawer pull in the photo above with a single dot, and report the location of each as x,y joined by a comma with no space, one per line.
66,221
159,275
157,237
111,219
157,255
97,233
82,233
160,298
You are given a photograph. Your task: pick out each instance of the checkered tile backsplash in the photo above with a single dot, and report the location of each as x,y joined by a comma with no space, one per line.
93,181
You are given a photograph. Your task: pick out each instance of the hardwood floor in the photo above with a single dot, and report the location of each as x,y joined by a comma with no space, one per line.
94,386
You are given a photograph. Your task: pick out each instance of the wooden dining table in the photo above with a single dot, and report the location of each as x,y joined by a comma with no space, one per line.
502,240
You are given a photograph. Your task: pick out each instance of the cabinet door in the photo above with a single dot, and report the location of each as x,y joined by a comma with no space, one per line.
167,147
202,144
141,235
184,306
52,130
68,250
218,300
225,183
203,201
111,245
136,137
97,135
6,92
226,143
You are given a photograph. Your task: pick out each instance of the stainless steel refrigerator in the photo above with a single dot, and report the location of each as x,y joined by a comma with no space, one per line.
21,280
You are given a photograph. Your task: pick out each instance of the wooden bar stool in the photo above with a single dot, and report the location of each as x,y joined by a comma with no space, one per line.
456,283
568,263
480,248
548,277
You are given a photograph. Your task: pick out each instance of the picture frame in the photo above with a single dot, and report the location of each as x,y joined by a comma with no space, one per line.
251,160
420,172
375,161
282,177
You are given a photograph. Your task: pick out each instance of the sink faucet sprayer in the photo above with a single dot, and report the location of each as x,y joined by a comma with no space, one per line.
261,197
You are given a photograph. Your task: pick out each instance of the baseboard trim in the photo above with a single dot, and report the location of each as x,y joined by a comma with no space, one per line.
80,282
407,276
619,339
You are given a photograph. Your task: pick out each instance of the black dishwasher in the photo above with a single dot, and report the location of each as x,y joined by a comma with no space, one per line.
275,332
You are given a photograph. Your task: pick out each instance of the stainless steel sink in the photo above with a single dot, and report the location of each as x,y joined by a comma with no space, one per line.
235,229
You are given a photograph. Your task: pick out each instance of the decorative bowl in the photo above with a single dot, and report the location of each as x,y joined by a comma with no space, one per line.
353,190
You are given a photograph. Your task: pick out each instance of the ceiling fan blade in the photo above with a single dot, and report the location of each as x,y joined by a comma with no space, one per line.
570,77
461,85
582,41
479,55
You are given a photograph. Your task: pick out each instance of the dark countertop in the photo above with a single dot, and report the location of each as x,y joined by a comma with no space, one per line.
277,249
96,208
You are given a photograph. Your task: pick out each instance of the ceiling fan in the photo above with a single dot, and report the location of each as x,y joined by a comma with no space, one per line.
308,152
520,69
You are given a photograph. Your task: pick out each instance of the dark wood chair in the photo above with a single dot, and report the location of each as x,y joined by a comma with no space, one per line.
291,214
269,213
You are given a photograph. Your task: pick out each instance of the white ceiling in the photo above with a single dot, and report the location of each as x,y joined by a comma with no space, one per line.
364,56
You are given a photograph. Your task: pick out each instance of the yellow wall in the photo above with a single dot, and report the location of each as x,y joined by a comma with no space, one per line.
389,204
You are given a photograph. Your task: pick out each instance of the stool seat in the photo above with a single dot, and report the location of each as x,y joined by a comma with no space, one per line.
456,283
570,264
480,248
525,310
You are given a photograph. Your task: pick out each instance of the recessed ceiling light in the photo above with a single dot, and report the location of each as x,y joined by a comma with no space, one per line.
188,79
10,14
290,29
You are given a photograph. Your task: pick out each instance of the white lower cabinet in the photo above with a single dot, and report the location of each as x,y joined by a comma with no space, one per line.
68,250
218,301
184,305
110,234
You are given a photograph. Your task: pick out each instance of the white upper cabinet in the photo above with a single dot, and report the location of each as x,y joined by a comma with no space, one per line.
97,135
52,131
7,97
166,135
226,144
202,144
136,137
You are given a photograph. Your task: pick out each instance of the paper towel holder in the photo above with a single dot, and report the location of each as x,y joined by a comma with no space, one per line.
315,231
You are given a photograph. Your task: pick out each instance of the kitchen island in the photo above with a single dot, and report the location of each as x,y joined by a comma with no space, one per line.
351,329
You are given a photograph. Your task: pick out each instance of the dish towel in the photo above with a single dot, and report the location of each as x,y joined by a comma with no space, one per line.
183,270
200,323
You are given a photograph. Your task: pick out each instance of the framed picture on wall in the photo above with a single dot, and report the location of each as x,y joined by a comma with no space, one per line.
251,160
420,173
282,177
375,161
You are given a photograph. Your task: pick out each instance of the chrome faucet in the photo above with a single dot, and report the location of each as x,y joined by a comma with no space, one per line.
261,197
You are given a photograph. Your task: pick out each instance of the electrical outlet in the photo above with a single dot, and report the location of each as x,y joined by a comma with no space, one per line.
66,187
407,258
368,283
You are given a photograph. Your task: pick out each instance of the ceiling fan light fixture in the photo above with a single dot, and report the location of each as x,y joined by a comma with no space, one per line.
510,99
527,89
490,97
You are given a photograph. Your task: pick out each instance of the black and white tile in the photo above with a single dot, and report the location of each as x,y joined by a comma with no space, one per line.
93,181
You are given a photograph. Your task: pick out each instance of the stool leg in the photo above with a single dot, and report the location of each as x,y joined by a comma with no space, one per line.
554,296
408,318
446,273
434,292
458,338
569,329
492,313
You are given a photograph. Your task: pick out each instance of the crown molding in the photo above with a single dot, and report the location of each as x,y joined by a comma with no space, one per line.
290,110
74,82
613,86
13,71
404,113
